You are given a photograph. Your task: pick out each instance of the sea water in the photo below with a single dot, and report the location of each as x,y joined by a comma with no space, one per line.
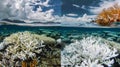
66,35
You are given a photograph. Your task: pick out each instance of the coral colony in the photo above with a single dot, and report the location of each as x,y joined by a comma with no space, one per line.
88,52
63,42
19,48
109,15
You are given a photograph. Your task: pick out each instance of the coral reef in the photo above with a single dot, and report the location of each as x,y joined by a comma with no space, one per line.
21,46
26,49
109,15
88,52
32,63
113,44
51,56
47,40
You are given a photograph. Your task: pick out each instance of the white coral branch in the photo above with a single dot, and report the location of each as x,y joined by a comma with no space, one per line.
92,48
22,45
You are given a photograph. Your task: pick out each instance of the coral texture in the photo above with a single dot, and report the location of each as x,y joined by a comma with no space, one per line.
109,15
88,52
21,46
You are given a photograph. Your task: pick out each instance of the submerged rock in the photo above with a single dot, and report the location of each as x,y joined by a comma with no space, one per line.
110,38
112,34
118,39
47,40
66,40
75,37
49,33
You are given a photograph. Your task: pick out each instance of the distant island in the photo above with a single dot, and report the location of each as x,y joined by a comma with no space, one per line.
23,23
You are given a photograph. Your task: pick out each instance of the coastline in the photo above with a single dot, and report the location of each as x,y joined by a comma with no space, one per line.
52,25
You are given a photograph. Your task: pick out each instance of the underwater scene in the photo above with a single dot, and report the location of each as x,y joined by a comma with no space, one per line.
22,46
59,33
25,46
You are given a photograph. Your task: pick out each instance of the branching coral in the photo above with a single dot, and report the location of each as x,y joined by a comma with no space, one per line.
109,15
88,52
33,63
89,63
21,46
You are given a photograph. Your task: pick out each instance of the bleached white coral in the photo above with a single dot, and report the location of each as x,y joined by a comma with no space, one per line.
22,46
2,45
89,63
88,52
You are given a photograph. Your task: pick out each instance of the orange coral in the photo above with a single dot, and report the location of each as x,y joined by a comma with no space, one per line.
24,64
32,63
109,15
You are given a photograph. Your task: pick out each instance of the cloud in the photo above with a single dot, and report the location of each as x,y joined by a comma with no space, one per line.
85,20
103,5
46,3
71,14
41,16
76,5
83,7
23,9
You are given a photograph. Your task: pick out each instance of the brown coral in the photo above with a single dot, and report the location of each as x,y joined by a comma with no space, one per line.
24,64
109,15
32,63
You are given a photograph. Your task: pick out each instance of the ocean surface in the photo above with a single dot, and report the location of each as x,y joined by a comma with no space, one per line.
64,32
10,28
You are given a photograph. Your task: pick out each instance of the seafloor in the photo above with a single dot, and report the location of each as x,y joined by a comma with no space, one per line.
51,53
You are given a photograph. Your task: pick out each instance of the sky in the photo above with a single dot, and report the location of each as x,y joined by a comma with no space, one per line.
79,7
53,10
90,7
35,10
84,11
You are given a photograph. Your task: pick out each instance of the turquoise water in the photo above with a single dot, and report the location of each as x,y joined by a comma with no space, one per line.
66,34
13,28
